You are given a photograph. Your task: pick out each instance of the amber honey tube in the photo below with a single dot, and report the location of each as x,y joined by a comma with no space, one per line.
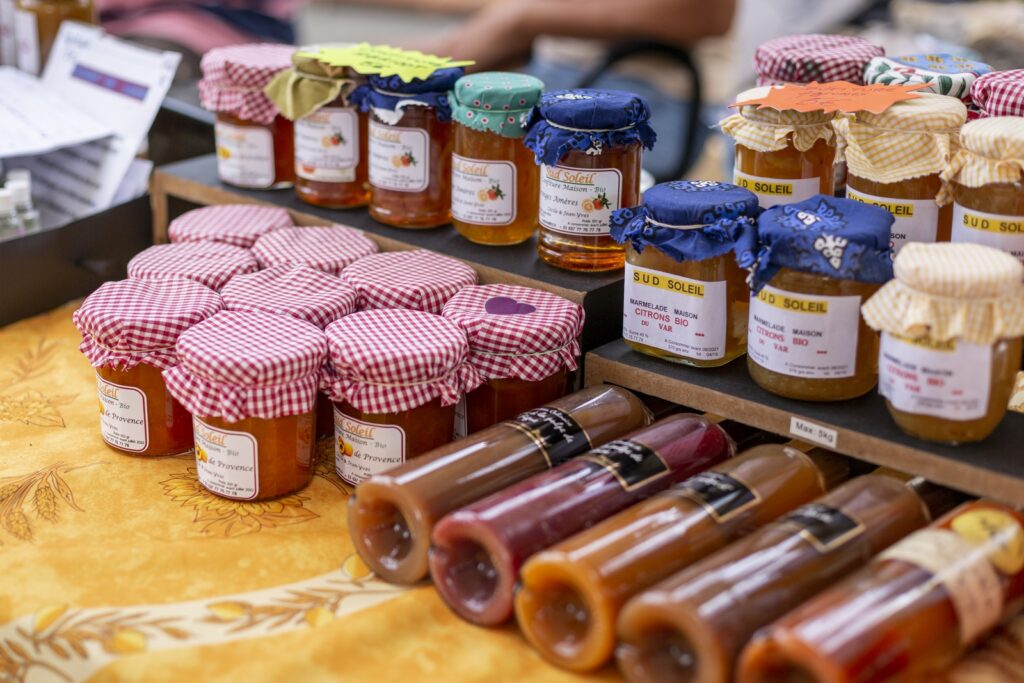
391,515
572,592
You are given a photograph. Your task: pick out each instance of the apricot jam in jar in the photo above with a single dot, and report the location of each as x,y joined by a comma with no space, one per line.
395,377
239,225
418,279
523,342
686,296
209,263
250,380
588,144
129,329
951,324
410,147
818,261
494,178
894,158
329,248
255,145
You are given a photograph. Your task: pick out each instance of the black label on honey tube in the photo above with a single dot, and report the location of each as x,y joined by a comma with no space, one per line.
557,435
632,463
721,495
823,526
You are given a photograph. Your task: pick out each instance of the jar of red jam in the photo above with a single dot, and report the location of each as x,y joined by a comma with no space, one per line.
129,329
419,280
250,381
523,342
329,248
210,263
239,225
395,377
255,145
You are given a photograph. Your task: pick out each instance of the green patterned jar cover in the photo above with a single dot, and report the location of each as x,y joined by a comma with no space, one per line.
309,85
944,73
496,102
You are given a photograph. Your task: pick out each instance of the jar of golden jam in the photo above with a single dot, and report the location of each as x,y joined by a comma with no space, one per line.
410,148
255,144
494,178
419,280
35,26
250,381
686,296
395,377
129,329
329,248
239,225
588,145
818,261
523,342
209,263
894,159
951,324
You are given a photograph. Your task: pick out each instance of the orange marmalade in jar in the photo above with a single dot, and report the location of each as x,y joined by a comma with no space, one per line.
410,148
818,261
129,329
588,144
250,380
954,313
395,377
494,178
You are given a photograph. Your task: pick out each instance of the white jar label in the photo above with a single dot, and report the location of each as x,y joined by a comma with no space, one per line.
483,192
245,155
399,158
123,416
950,379
362,449
916,220
327,145
990,229
676,314
26,40
227,462
772,191
802,335
578,201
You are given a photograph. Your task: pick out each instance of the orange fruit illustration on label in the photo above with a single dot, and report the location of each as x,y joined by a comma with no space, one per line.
481,195
325,141
308,169
344,448
223,152
588,205
201,454
103,410
396,161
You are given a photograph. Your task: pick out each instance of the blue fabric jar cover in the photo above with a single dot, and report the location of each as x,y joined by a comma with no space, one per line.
837,238
384,94
692,220
587,119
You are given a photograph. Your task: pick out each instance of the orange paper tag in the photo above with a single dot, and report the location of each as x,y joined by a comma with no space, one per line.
835,96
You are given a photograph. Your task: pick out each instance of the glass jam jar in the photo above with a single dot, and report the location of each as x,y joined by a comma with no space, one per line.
36,23
686,295
588,145
494,178
523,342
395,377
894,160
250,381
418,280
954,312
820,259
410,148
239,225
255,144
210,263
129,329
329,248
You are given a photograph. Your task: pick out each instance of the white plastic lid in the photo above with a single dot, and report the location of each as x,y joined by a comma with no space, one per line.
21,191
6,201
20,174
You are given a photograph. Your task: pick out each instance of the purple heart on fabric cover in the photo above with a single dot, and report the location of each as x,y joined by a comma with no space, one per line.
505,305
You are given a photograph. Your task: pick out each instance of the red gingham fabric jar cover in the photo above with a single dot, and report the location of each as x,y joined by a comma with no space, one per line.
237,224
128,322
238,365
419,280
210,263
390,361
301,292
1000,93
330,249
813,57
517,332
234,78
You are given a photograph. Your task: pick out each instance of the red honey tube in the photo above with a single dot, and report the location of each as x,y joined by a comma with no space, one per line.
479,549
914,610
572,592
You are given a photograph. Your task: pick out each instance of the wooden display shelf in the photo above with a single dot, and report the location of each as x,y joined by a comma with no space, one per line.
860,428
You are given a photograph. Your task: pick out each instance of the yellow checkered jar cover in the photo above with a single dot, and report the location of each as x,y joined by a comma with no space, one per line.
772,130
990,151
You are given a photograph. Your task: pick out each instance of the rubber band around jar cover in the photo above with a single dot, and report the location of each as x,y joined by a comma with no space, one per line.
589,130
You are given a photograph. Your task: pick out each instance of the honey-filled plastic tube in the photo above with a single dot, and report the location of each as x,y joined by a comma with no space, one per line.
910,613
391,515
572,592
479,549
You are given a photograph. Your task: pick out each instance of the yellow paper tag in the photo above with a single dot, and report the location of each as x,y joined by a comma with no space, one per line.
385,60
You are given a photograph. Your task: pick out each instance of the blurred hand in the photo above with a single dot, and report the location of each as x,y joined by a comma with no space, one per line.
493,37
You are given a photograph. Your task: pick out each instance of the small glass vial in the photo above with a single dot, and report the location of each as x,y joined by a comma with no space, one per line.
36,24
410,148
588,145
129,329
27,213
209,263
395,377
329,248
250,379
419,280
494,177
239,225
523,342
10,221
947,368
255,144
819,260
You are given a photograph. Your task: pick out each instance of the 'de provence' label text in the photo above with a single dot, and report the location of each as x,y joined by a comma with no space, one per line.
558,436
227,462
631,463
363,449
823,526
721,495
123,416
